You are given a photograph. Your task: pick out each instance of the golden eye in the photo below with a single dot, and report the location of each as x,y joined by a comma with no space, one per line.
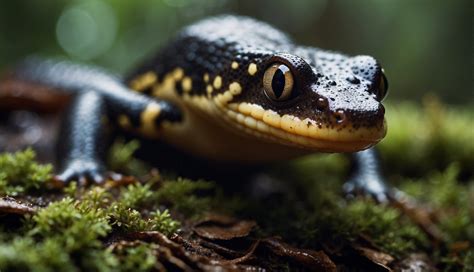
383,87
278,82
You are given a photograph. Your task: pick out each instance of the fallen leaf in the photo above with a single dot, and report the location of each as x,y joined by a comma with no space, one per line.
219,227
313,260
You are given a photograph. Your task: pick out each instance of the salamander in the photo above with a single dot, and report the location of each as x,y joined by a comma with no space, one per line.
227,88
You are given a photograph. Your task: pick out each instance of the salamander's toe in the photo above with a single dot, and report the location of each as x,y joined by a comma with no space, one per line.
83,172
370,186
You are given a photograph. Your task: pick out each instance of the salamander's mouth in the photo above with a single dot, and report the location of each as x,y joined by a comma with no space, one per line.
307,134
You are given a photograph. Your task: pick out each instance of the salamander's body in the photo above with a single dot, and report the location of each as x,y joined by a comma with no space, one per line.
226,88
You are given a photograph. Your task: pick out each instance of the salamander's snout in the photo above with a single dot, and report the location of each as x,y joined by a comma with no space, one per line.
373,117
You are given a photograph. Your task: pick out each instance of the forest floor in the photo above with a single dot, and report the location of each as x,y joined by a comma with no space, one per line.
151,221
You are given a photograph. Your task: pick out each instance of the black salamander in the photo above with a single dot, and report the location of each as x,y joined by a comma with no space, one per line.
231,89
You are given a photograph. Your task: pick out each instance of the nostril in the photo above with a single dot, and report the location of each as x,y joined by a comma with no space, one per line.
322,104
340,116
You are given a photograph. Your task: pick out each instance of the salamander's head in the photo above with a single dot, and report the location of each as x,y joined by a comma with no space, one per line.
310,98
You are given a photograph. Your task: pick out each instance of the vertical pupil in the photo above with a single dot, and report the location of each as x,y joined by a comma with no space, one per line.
278,83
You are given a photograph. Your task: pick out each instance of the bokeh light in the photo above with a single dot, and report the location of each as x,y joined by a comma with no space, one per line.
87,29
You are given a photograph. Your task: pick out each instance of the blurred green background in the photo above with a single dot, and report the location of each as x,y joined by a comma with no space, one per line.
426,46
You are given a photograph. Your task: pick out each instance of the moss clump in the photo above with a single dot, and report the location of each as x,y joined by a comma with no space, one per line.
69,233
161,221
62,236
120,158
182,195
19,173
429,136
138,258
26,254
449,196
386,226
68,221
135,195
130,220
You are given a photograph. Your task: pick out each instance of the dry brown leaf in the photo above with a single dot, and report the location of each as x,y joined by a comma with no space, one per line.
219,227
313,260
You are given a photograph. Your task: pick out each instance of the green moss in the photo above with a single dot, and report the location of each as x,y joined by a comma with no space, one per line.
120,158
130,220
126,219
386,226
63,236
451,198
161,221
428,136
138,258
20,173
68,233
136,194
75,228
26,254
182,195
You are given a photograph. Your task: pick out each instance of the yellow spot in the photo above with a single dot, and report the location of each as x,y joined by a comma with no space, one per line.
235,88
217,82
252,69
209,89
178,73
124,121
148,117
234,65
206,77
144,81
168,83
187,84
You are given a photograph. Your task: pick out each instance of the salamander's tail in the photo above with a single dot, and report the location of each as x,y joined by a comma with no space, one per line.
46,85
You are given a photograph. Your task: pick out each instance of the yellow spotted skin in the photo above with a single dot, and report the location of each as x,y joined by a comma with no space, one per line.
214,72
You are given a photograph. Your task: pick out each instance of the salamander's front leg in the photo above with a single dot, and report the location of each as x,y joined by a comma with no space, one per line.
83,141
81,145
366,177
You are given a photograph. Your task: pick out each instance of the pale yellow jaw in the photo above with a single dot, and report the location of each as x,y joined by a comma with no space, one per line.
291,130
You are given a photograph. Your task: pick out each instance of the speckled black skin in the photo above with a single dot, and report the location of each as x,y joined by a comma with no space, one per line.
326,83
210,46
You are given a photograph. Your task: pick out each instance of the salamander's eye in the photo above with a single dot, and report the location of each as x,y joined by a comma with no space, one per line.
278,82
383,87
